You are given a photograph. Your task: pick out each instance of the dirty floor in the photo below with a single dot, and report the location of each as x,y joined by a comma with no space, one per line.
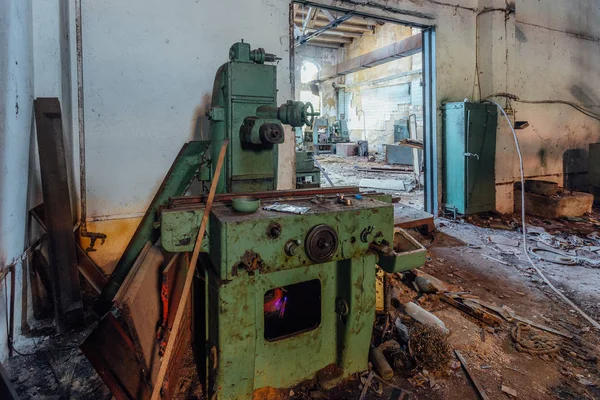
466,253
348,171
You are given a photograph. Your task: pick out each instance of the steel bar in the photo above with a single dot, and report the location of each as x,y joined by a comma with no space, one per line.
190,276
325,174
68,308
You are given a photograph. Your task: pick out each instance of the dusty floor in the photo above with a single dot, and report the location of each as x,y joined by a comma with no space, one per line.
464,254
348,171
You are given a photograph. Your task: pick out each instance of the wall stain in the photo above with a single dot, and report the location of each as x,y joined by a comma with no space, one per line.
542,154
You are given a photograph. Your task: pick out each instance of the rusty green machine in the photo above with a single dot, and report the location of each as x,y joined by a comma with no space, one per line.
285,291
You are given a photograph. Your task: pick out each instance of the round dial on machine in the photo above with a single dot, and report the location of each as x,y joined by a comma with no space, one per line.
321,243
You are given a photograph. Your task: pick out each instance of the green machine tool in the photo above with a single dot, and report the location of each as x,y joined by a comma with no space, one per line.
286,291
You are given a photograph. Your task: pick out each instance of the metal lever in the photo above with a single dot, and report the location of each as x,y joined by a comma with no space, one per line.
471,155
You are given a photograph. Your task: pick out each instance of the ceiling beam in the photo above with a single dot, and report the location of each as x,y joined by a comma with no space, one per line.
403,48
357,21
336,32
305,38
333,38
342,27
317,43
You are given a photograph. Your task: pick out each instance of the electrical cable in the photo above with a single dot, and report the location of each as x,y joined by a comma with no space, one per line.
516,98
535,267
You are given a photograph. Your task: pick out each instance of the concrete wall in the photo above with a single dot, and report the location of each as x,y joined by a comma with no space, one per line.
149,71
16,101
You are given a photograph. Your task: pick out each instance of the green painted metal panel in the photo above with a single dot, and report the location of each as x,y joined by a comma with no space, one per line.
480,170
469,157
247,361
454,145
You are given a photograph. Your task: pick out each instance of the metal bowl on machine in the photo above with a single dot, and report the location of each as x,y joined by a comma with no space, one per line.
245,204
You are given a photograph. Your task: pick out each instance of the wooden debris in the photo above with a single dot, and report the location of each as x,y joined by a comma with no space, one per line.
513,316
510,391
471,308
366,386
482,394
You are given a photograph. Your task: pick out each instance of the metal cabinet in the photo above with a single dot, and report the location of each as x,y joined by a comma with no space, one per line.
469,157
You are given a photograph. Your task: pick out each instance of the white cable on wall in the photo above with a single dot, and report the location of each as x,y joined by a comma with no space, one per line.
540,273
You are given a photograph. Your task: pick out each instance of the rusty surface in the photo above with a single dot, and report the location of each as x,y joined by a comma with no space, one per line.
112,354
274,194
250,261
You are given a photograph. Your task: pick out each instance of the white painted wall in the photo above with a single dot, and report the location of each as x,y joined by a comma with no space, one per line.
16,101
149,72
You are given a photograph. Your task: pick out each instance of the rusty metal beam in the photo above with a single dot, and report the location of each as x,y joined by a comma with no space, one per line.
403,48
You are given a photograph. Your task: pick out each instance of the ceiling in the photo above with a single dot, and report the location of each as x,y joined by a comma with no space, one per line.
320,27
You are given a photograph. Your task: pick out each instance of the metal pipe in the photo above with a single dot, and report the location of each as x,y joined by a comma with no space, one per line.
364,123
83,232
323,171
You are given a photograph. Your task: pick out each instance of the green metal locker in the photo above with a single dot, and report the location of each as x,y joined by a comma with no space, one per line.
469,157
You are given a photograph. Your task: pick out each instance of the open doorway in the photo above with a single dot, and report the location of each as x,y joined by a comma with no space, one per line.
367,78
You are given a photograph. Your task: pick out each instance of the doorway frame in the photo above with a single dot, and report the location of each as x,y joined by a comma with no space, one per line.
429,83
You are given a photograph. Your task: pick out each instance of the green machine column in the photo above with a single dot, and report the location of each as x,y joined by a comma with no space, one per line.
244,110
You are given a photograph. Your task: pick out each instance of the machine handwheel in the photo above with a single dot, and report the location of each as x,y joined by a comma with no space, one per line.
309,118
321,243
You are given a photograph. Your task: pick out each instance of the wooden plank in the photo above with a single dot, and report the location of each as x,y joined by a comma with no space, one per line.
502,312
482,394
475,312
183,341
140,307
68,308
190,275
132,272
